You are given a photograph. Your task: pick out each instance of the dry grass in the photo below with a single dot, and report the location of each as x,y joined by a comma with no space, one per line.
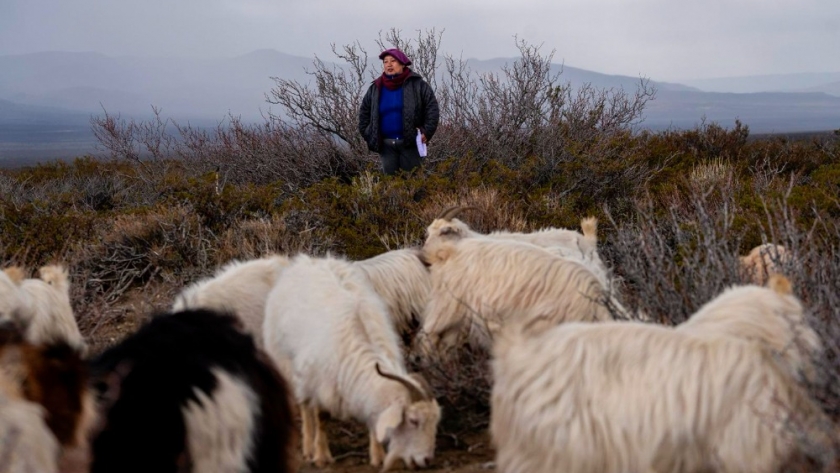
490,209
716,173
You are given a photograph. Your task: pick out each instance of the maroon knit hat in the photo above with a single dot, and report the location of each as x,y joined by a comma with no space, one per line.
396,54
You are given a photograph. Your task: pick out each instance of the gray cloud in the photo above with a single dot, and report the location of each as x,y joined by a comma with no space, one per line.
661,39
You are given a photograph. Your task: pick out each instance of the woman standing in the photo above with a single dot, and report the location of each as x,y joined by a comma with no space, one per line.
397,106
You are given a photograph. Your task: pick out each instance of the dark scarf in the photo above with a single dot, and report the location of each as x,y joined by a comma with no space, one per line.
393,82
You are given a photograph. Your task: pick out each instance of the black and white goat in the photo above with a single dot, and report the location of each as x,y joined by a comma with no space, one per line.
190,392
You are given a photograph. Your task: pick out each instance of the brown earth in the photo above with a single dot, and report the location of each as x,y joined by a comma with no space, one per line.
466,453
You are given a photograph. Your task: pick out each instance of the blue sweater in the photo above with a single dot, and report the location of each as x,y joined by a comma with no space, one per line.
390,113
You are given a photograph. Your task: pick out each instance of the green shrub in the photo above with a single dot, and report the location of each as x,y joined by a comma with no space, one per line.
36,233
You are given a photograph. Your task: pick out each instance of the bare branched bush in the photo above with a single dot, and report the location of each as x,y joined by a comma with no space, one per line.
814,269
146,143
238,152
257,153
525,110
499,112
675,262
766,170
328,107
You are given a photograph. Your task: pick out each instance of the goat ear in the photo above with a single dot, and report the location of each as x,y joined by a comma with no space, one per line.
780,284
389,420
15,273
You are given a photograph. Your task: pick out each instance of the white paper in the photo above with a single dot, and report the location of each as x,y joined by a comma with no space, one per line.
421,147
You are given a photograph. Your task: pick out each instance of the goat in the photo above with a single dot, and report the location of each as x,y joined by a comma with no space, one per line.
763,261
330,333
238,287
46,409
191,392
48,312
479,284
628,396
581,247
11,300
402,281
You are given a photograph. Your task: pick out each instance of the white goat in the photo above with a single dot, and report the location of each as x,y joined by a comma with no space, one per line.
627,396
403,283
11,300
478,284
744,312
330,334
238,287
49,315
582,247
763,261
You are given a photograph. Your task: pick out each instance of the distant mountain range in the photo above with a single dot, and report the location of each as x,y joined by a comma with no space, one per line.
825,82
49,98
183,88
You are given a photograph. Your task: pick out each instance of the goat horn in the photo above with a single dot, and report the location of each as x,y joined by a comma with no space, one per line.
451,212
454,211
415,394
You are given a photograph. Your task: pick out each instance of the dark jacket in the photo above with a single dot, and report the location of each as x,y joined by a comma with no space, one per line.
420,110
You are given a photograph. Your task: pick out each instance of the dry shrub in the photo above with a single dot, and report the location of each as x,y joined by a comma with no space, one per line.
673,264
84,185
813,267
133,269
137,248
714,173
403,235
37,233
352,216
526,110
462,382
283,234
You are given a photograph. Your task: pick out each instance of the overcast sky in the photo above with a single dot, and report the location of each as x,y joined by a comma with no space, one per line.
665,40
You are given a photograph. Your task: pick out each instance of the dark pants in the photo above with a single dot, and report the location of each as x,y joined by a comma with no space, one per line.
399,154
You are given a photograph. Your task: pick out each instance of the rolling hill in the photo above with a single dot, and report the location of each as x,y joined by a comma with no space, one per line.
47,98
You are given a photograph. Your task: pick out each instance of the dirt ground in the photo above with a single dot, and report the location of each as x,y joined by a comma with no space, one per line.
466,453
